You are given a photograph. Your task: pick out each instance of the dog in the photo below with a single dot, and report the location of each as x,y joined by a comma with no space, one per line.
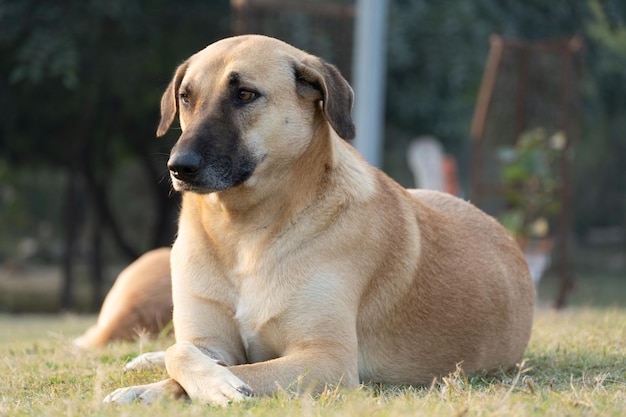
140,302
299,266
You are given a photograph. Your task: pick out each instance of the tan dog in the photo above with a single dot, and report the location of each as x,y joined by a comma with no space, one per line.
297,263
140,302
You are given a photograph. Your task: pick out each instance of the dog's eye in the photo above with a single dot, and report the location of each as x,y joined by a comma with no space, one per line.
184,98
246,95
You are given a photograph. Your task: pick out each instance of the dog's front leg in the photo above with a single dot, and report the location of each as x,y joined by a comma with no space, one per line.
207,380
204,379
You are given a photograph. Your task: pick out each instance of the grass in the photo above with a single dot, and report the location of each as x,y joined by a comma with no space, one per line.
575,366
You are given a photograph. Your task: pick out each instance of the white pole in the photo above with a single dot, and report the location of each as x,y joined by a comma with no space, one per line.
369,65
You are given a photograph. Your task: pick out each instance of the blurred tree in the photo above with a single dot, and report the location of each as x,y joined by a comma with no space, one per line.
601,173
437,52
79,87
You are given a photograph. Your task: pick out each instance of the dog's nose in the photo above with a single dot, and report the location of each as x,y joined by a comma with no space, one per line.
185,166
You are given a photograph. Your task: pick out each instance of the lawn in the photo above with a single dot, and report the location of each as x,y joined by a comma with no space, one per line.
575,366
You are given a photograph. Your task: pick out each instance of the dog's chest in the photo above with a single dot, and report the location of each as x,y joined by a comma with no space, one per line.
258,308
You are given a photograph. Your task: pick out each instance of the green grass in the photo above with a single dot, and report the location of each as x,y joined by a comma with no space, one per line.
575,366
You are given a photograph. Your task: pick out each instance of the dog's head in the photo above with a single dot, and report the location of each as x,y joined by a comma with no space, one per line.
249,101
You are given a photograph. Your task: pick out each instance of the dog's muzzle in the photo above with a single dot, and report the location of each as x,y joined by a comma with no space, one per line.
185,166
191,171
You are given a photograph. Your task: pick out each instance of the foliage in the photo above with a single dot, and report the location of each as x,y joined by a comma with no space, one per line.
437,52
600,168
531,182
574,366
103,63
80,85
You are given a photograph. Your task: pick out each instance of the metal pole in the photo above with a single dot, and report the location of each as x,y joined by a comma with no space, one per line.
369,65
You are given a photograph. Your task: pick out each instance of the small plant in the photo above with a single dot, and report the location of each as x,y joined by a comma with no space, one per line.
531,181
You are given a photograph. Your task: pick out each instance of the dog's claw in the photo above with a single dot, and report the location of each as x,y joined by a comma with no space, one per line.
245,390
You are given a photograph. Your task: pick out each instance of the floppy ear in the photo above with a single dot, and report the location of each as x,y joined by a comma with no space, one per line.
169,101
315,74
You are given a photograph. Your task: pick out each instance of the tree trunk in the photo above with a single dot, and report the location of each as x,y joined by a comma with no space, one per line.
166,202
106,217
97,275
72,219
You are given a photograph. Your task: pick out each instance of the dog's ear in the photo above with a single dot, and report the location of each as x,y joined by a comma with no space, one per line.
323,81
169,101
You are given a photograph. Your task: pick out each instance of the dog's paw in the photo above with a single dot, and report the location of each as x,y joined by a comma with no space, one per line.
147,360
127,395
222,389
146,393
204,379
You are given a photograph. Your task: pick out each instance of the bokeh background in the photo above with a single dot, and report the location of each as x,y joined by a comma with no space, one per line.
83,185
